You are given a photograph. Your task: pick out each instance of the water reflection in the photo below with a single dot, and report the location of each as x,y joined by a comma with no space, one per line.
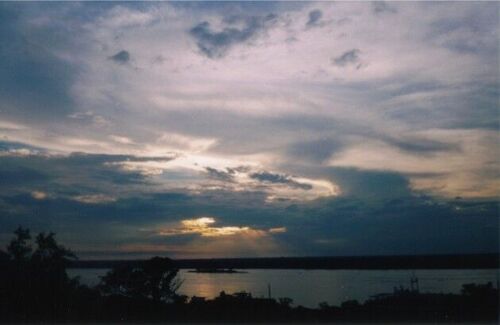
308,288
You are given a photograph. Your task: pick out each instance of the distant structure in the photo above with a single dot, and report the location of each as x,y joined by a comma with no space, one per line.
414,287
398,291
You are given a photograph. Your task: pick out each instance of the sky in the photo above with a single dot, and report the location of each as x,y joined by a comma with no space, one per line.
247,129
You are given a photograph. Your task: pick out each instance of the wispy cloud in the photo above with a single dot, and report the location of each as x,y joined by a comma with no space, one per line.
347,58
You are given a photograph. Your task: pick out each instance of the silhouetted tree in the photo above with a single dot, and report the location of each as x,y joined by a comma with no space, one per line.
154,279
49,262
4,258
49,255
34,286
350,304
285,301
36,283
473,289
19,249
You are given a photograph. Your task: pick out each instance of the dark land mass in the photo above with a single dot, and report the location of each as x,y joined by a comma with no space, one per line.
471,261
215,271
35,287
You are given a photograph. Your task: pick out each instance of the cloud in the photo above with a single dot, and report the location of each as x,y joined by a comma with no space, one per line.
39,195
203,227
280,179
277,230
338,154
450,164
371,184
36,80
182,142
121,57
347,58
423,146
94,198
315,150
314,18
173,223
380,7
220,174
121,139
12,174
90,117
215,44
8,148
73,175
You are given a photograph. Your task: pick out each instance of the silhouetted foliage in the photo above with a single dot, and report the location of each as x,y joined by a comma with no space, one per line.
154,279
19,248
34,286
285,301
4,258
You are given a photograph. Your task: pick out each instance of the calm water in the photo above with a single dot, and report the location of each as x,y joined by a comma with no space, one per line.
308,288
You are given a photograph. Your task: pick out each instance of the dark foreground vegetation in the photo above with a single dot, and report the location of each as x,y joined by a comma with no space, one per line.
34,286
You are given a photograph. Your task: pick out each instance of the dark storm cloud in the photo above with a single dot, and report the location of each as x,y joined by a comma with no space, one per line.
12,147
268,177
316,150
314,18
75,174
121,57
373,205
215,44
11,175
347,58
11,172
370,184
35,81
413,224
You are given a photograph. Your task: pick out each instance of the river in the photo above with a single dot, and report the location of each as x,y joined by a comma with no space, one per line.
310,287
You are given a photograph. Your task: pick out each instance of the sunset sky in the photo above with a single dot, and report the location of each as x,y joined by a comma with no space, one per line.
227,129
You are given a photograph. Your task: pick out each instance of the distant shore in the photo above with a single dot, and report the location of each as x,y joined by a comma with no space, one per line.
466,261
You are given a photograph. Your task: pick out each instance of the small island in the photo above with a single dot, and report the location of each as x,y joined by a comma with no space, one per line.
214,270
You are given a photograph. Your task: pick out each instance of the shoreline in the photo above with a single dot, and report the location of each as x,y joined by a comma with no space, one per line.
408,262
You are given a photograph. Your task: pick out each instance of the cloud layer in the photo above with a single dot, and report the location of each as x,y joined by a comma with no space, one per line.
304,128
